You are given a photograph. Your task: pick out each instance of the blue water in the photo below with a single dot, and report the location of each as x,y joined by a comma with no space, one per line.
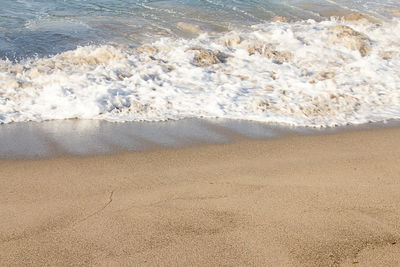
41,27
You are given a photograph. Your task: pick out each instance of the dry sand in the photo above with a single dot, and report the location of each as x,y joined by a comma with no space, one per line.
299,201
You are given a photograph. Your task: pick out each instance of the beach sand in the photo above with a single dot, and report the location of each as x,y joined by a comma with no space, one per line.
325,200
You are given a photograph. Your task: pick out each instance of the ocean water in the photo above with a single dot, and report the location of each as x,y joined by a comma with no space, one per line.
319,64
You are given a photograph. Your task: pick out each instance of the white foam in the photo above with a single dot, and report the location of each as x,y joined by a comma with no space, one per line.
321,82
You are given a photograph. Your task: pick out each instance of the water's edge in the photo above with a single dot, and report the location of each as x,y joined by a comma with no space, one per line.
57,138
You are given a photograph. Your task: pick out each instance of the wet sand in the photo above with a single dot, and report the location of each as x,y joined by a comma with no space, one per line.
324,200
57,138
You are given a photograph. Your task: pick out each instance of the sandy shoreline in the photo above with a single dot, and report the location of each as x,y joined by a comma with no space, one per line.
57,138
306,200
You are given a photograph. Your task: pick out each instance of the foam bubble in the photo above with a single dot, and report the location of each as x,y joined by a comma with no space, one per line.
306,73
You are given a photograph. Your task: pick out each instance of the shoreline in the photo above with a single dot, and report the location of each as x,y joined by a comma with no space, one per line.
59,138
315,200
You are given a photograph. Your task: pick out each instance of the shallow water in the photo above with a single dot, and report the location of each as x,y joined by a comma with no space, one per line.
84,59
38,27
48,27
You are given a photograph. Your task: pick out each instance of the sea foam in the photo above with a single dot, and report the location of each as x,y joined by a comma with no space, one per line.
305,73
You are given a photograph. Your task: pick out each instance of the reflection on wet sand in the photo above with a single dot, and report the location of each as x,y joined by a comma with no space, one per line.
91,137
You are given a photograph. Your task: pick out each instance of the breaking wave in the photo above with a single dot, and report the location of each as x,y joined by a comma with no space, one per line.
305,73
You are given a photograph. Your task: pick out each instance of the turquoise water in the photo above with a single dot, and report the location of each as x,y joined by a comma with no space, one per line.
38,27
